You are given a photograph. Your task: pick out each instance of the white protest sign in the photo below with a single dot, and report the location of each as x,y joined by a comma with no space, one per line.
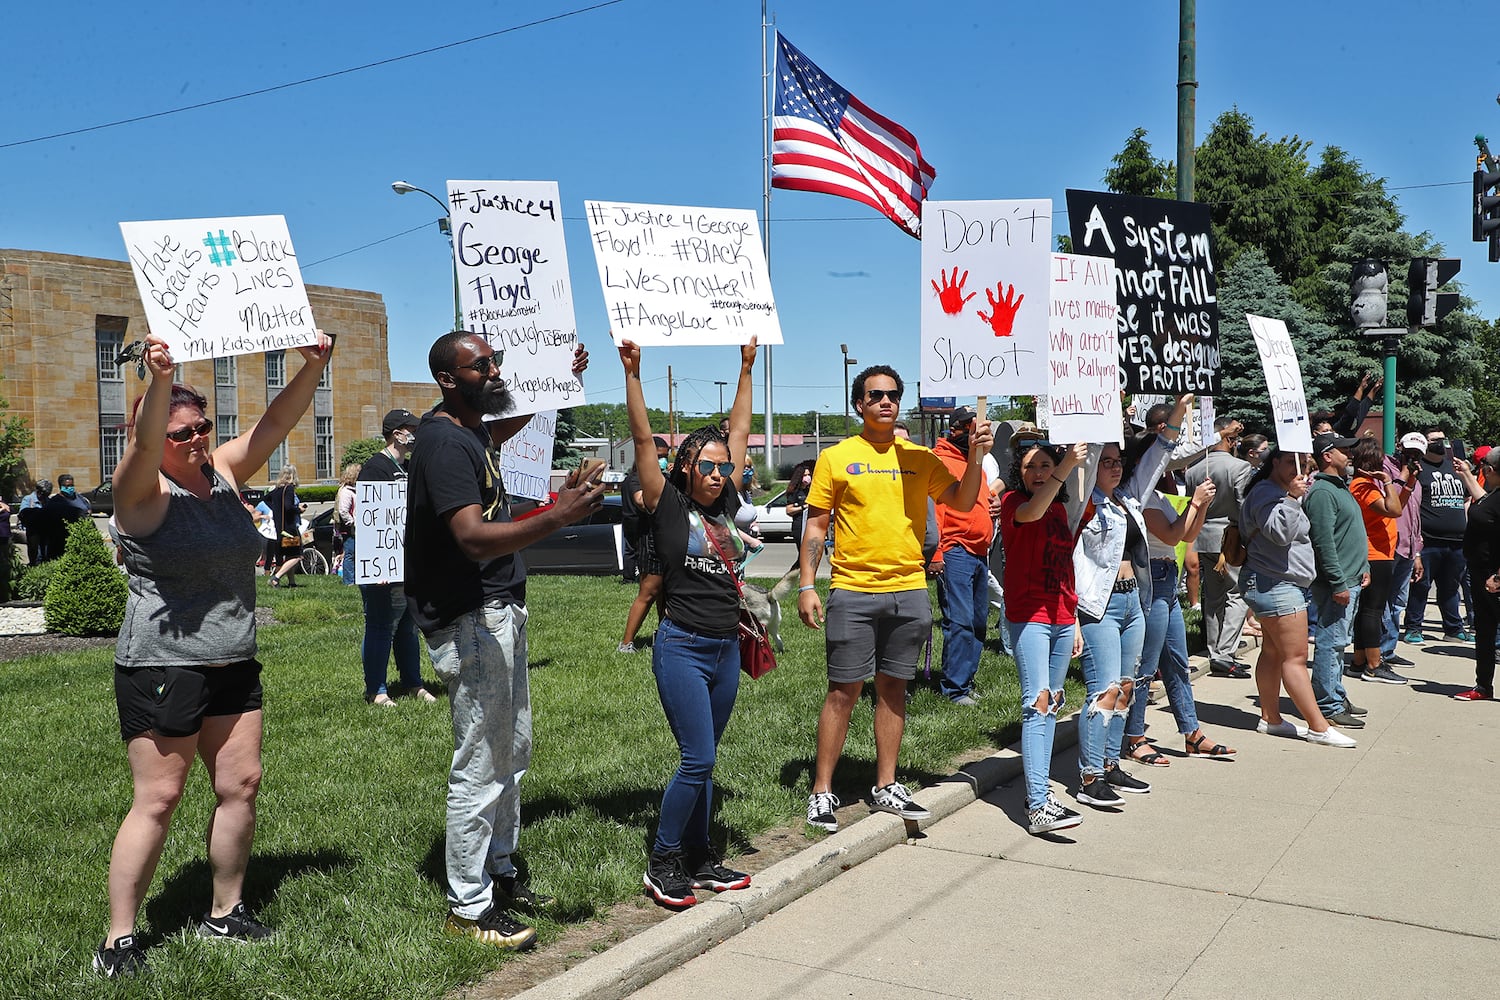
1083,358
686,276
1205,418
1043,411
512,268
380,532
216,287
1278,356
995,344
526,459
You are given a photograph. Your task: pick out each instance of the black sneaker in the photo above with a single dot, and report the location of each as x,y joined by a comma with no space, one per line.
1354,709
1345,720
1051,817
1123,782
820,811
236,925
667,882
1397,660
1098,792
124,960
710,872
493,927
511,894
1382,675
894,798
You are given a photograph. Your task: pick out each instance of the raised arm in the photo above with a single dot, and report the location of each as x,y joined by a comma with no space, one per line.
962,494
137,479
652,481
739,412
1036,506
244,455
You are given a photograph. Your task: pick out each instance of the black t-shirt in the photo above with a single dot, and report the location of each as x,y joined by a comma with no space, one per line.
698,593
630,511
453,467
381,468
1444,499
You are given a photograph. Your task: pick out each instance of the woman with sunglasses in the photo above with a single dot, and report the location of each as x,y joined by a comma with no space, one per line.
187,683
689,513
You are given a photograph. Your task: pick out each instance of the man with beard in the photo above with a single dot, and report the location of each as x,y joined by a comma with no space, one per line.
468,595
964,581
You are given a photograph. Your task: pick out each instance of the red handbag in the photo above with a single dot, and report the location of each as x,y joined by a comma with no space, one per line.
757,658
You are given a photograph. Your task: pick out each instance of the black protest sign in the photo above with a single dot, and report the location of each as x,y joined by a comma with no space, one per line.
1168,317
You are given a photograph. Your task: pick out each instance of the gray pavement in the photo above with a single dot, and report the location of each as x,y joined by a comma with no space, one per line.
1293,869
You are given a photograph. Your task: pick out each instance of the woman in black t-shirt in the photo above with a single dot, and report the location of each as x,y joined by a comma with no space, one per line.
689,513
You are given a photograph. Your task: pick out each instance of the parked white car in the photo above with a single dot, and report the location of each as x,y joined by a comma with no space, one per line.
772,518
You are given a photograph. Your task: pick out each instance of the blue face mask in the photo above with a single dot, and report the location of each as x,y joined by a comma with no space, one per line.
746,476
68,491
663,463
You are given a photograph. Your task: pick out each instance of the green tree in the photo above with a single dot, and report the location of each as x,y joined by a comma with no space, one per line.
1137,171
15,438
359,452
87,593
1484,422
564,455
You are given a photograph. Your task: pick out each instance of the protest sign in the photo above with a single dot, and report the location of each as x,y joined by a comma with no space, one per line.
996,343
1083,367
1168,318
1278,357
380,532
1043,411
526,459
216,287
684,276
1205,418
1195,431
511,264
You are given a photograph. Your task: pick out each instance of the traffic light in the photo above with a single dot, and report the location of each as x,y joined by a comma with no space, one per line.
1487,210
1425,305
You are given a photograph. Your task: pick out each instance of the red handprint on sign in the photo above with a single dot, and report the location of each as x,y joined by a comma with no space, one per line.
951,295
1002,315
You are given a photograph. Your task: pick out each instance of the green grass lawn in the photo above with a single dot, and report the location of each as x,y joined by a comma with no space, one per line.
348,854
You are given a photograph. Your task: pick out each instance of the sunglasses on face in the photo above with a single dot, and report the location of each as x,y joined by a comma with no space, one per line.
484,364
876,395
705,468
186,434
1111,463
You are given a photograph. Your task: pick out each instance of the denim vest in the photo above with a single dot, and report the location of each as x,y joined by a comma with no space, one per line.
1101,549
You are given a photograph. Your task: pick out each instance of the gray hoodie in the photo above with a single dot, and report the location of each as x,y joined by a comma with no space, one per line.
1275,531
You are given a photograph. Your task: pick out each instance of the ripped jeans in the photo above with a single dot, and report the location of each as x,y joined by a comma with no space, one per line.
1042,654
1111,653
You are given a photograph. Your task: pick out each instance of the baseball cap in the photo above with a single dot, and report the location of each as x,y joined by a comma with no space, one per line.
397,419
1028,434
1481,452
1323,442
961,415
1414,442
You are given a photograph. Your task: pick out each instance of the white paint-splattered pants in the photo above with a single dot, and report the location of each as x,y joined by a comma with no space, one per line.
482,659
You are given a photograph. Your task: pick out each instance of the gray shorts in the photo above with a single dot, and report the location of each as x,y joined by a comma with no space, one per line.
869,633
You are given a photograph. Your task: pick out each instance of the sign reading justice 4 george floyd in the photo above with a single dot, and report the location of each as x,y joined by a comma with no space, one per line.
216,287
1168,318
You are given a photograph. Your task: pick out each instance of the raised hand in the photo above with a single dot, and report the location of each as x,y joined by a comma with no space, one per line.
1002,315
158,357
747,354
951,295
580,360
630,357
319,351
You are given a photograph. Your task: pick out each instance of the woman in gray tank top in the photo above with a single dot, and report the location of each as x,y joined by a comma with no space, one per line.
187,683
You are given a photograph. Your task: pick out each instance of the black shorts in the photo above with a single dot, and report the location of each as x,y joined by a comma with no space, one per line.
173,701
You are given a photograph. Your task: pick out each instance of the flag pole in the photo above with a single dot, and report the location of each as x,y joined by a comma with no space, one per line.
765,156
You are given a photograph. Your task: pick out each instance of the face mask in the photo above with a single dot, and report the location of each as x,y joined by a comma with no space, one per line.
746,476
404,438
663,463
960,441
67,491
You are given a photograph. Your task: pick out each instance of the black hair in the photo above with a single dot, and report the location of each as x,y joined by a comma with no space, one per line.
1249,443
1222,421
1435,429
1135,447
1264,472
1158,414
687,454
1320,417
659,441
1366,454
1018,455
443,354
857,391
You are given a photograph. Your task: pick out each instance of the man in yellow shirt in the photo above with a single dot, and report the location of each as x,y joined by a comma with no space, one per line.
874,489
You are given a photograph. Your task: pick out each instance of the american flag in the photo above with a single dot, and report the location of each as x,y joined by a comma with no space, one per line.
825,139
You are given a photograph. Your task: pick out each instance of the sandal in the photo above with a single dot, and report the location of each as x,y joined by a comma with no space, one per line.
1217,751
1142,752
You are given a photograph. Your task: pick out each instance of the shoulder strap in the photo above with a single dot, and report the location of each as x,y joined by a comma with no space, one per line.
739,588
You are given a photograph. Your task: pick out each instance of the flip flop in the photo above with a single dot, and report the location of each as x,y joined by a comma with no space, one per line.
1142,752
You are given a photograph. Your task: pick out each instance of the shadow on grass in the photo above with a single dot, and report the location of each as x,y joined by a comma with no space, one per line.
184,895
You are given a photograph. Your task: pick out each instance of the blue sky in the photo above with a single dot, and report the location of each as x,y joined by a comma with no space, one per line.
659,101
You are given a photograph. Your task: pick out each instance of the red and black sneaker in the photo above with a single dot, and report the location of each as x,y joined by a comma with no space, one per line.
1475,694
667,882
710,872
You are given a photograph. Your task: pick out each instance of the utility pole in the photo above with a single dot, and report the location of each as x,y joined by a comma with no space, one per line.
671,409
721,386
1187,94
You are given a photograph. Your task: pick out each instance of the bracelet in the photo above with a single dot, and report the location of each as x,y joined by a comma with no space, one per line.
1196,506
803,590
1054,476
1173,427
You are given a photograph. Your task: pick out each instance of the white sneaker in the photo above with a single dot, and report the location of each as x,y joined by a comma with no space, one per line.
1290,730
1330,737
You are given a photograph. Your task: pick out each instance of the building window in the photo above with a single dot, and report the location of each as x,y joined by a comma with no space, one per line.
276,462
275,370
227,428
325,377
111,442
109,338
323,446
226,372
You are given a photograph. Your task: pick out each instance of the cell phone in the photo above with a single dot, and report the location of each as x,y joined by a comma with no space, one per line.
1459,449
588,469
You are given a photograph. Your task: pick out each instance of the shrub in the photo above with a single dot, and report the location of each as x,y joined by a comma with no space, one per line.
316,494
32,585
359,452
87,593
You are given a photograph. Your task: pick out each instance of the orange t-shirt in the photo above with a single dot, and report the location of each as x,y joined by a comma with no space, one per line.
1380,529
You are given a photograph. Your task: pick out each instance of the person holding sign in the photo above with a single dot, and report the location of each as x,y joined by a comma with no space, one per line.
467,593
874,488
695,659
187,683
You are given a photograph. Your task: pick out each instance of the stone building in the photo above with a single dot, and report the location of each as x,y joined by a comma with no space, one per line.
63,320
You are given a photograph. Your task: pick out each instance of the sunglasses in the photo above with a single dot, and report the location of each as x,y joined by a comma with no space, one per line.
705,468
1111,463
186,434
876,395
485,364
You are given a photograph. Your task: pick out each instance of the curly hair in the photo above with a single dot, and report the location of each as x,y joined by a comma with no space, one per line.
687,454
1018,458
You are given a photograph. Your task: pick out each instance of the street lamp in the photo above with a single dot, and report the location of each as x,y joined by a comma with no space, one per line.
445,226
847,362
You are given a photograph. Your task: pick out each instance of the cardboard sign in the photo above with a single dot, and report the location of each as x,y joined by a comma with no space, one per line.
684,276
1206,418
217,287
380,532
1195,431
1083,368
526,459
1278,357
1168,321
513,286
984,296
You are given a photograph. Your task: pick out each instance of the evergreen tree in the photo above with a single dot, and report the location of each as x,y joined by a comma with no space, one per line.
1137,171
1484,422
564,455
15,438
87,592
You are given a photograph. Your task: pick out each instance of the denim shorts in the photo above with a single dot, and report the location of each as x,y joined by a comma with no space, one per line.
1269,597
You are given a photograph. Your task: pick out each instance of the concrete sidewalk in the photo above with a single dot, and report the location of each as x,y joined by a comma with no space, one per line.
1293,869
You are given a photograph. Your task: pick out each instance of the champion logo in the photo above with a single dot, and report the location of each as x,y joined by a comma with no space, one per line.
866,469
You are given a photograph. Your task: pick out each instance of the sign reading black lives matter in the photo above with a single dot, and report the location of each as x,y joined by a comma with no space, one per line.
1168,318
512,268
216,287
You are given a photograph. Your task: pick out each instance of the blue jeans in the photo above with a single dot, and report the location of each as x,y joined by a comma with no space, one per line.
697,677
388,625
1442,565
346,568
1042,655
482,659
1335,624
1395,605
1165,649
1111,651
963,595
